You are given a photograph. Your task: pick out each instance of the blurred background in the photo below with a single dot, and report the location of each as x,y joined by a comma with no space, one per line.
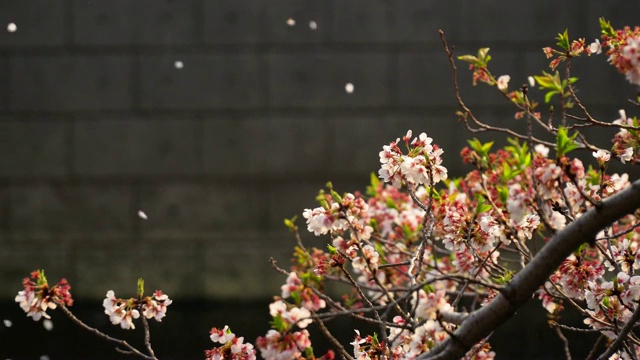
219,118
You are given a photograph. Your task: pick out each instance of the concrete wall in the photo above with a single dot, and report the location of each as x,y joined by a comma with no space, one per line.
96,122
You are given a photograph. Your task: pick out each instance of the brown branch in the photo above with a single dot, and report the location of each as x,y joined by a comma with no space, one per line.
147,336
130,349
622,335
345,354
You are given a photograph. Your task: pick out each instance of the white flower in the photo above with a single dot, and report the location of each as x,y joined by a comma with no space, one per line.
293,282
595,47
503,82
627,155
602,155
222,336
300,315
542,150
557,220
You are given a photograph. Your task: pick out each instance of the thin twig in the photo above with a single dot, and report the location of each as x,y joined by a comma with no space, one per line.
131,350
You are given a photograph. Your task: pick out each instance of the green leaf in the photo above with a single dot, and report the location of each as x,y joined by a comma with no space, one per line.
504,279
487,147
606,28
295,295
332,250
482,54
543,81
479,147
375,182
549,95
309,353
41,278
336,196
324,204
392,204
481,207
290,223
503,192
564,142
468,58
140,288
278,324
563,40
374,339
374,224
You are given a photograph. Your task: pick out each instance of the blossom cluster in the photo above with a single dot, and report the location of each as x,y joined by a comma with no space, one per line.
123,311
624,50
419,250
232,347
422,165
38,297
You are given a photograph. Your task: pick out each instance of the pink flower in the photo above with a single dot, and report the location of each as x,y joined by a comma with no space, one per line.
233,347
293,284
156,306
221,336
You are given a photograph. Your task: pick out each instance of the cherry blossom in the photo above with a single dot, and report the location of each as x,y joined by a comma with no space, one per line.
503,82
233,347
38,297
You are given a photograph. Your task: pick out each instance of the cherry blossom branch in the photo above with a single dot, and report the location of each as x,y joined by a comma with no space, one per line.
484,320
344,353
383,330
147,336
575,329
565,343
622,335
131,350
467,112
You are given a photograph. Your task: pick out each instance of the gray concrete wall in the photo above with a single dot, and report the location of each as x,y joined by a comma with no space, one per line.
96,122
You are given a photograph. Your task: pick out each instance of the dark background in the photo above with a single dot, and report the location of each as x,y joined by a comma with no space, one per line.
96,123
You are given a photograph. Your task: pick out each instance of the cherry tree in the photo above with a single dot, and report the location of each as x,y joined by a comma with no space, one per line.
436,263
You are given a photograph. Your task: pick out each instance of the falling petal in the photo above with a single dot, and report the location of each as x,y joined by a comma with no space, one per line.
178,64
313,25
142,215
48,324
291,22
12,27
349,88
7,323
